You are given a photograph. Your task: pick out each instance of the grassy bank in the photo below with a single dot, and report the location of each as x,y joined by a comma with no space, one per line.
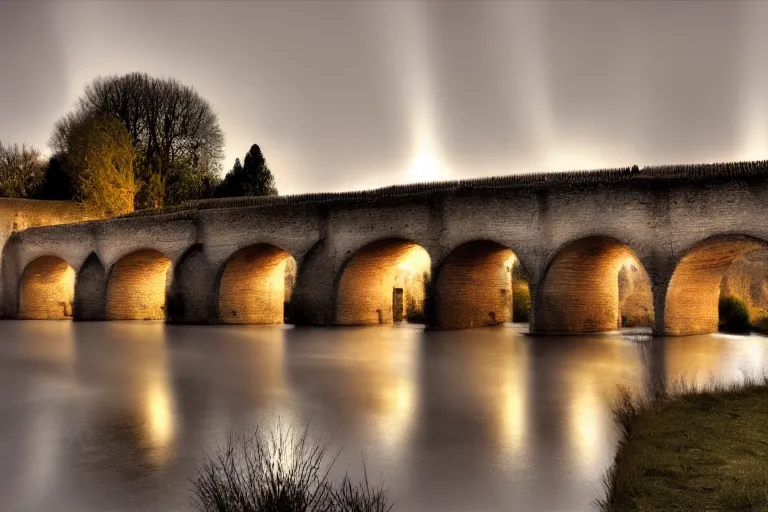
693,450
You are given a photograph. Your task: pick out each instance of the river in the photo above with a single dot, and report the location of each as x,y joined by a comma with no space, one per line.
116,416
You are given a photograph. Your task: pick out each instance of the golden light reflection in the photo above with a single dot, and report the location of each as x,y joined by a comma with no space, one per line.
706,359
514,409
379,378
396,409
161,426
593,388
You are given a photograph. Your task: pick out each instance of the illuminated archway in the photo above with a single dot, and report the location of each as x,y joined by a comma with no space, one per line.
473,287
383,283
255,286
693,292
47,289
136,288
580,291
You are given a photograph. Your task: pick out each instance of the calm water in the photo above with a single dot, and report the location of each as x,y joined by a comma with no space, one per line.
115,416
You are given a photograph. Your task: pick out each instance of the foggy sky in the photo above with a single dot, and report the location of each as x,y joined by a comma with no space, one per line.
348,95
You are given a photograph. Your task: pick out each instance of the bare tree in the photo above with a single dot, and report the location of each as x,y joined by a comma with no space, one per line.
175,132
21,170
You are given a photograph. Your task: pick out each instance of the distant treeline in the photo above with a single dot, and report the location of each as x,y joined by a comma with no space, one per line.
133,142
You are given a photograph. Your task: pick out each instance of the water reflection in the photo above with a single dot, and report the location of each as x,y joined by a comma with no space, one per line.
711,358
366,376
115,416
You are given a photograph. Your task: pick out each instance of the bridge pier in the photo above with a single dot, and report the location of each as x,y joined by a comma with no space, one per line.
191,296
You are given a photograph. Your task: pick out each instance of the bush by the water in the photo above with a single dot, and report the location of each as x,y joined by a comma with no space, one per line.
521,302
280,470
734,315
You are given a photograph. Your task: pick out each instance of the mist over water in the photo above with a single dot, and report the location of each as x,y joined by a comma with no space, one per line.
116,416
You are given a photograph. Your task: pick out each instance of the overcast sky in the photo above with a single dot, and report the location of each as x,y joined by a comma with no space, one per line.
357,94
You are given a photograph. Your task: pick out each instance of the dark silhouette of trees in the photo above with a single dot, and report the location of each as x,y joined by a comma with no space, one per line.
174,131
253,178
56,184
21,170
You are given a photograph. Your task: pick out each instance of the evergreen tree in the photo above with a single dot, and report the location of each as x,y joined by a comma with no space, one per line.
253,178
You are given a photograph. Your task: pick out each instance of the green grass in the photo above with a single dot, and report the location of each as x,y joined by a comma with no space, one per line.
696,450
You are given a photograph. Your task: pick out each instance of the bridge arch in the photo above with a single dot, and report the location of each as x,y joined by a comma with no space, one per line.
473,286
691,303
381,283
255,285
47,289
580,288
137,286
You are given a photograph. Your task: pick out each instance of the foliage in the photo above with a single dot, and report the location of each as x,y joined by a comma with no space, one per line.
734,315
253,178
279,470
174,131
57,184
672,454
521,294
100,162
21,170
151,192
521,302
759,320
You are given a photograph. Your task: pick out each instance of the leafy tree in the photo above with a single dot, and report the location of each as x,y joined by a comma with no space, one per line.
21,170
253,178
100,163
151,193
174,131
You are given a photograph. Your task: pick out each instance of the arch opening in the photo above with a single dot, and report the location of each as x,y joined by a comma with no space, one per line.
481,283
383,283
693,292
47,290
136,289
591,285
256,286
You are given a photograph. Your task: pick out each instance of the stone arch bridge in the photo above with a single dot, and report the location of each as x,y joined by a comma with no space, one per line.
223,261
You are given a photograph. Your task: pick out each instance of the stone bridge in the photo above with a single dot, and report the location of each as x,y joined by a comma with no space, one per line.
224,261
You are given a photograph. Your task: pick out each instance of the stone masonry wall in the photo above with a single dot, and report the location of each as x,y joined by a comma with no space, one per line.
474,287
684,225
252,289
47,289
136,287
19,214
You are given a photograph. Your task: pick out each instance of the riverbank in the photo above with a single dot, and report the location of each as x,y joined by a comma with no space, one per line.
693,450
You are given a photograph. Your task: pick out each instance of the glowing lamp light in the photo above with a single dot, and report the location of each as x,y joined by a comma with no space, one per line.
426,167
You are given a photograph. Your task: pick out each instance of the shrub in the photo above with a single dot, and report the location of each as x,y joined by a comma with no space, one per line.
521,302
759,321
734,315
279,470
